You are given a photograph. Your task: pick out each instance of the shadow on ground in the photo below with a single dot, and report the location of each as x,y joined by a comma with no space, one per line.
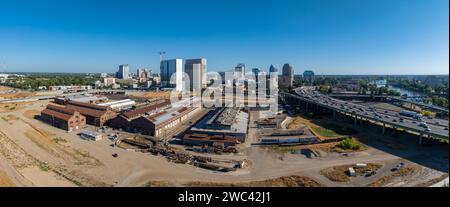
431,153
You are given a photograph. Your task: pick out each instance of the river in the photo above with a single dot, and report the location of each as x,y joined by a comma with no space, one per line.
403,91
409,93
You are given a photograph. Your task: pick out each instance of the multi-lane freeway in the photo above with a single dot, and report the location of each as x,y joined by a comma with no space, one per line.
426,126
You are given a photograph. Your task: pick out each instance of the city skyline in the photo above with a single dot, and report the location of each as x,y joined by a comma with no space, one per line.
328,37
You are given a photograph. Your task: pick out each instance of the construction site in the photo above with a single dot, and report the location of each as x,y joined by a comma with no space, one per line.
116,139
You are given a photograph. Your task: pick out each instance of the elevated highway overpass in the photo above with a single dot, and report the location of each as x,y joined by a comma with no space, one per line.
436,128
391,98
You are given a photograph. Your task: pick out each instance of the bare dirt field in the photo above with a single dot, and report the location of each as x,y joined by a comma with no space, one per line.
17,95
5,181
285,181
340,174
9,107
404,172
30,114
6,88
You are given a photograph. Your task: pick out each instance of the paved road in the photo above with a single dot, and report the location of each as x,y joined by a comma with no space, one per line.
435,127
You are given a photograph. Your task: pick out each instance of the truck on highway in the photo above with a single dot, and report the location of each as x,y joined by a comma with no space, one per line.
411,114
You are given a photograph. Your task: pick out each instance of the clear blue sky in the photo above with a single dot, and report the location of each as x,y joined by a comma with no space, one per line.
327,36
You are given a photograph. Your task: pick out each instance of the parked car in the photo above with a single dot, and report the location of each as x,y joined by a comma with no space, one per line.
398,167
368,174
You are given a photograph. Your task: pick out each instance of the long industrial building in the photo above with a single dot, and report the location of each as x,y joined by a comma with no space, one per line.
123,120
120,104
95,115
63,118
229,121
159,124
153,119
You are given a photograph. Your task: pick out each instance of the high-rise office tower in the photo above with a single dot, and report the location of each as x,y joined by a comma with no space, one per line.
169,68
308,75
240,68
123,72
273,69
143,74
287,75
256,71
196,70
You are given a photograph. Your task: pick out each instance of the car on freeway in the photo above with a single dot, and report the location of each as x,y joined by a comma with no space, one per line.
395,120
427,129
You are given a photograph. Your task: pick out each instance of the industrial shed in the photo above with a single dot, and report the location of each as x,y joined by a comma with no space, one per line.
63,118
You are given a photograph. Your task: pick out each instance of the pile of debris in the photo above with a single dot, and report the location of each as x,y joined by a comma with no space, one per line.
172,155
216,149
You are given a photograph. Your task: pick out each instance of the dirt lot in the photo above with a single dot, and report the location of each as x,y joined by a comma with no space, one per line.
6,88
16,95
31,114
5,181
9,107
404,172
285,181
340,174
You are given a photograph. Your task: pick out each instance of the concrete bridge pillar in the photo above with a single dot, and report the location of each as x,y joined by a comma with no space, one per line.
356,119
334,114
420,139
384,128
